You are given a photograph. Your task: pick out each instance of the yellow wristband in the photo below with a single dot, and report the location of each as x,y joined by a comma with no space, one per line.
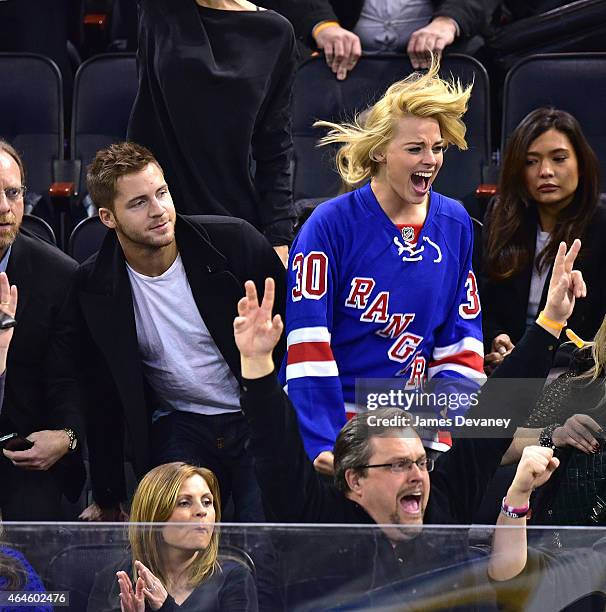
578,342
550,322
322,26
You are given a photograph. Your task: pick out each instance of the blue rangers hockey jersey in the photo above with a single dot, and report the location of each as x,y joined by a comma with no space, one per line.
366,301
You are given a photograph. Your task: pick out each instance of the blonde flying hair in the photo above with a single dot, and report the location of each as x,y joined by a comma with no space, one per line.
154,502
598,353
422,95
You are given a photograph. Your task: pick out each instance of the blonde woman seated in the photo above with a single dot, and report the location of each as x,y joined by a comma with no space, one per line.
175,567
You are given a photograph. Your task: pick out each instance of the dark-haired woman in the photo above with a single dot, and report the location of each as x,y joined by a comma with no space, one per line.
215,84
548,193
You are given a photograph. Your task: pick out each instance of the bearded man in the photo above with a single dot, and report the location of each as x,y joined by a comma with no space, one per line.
41,398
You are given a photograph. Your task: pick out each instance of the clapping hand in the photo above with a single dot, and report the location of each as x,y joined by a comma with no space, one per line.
131,600
255,331
148,589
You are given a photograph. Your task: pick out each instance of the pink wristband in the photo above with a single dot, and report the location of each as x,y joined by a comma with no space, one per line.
513,512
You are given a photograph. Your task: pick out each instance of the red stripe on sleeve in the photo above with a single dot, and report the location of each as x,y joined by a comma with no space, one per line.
467,358
309,351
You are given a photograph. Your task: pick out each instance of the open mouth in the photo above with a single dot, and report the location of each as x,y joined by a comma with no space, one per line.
420,180
411,504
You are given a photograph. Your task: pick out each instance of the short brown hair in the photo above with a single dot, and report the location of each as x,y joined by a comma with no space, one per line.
10,150
354,444
109,165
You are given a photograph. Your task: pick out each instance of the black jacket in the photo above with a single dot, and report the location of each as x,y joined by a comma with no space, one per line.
472,16
294,493
219,255
42,367
505,303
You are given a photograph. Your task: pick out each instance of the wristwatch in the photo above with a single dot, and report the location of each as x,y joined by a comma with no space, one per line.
545,437
73,441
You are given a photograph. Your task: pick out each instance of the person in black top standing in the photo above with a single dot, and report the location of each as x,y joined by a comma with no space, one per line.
213,105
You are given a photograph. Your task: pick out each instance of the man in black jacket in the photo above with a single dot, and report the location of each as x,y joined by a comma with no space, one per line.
41,398
382,474
328,25
158,301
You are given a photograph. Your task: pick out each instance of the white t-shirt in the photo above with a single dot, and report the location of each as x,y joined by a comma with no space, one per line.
537,282
181,361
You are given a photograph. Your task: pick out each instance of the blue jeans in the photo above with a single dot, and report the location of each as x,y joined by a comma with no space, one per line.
219,443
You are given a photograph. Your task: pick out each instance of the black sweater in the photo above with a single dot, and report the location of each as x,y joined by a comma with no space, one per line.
214,97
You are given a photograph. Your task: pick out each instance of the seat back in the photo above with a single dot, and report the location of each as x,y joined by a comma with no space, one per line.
74,568
86,239
31,99
573,82
318,95
39,227
104,91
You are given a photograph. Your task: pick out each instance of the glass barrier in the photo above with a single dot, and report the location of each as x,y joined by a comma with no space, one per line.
73,566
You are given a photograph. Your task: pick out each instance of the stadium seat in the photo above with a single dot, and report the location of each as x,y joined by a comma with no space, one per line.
31,99
318,95
573,82
73,569
104,92
39,227
86,239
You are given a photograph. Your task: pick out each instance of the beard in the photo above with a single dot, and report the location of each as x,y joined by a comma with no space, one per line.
404,531
7,238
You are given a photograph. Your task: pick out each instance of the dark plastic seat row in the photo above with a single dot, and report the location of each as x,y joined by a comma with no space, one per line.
106,85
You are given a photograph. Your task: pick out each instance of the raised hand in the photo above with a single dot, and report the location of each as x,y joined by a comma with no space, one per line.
566,284
535,468
255,331
8,305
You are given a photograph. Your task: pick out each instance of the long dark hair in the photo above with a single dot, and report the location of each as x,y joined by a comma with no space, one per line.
513,215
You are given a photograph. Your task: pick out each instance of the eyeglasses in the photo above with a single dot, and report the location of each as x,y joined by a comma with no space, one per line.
14,193
425,464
